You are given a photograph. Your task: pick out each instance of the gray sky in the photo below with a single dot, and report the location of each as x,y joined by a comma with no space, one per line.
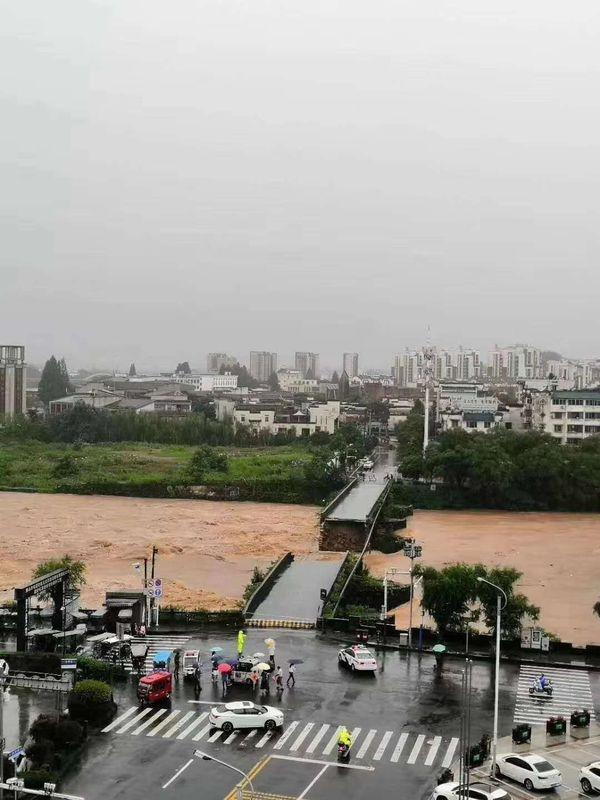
327,175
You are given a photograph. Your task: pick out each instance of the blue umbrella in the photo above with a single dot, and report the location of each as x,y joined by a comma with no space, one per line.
233,662
217,659
216,650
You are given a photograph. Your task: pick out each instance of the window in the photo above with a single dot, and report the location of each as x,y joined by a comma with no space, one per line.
575,428
575,415
558,429
508,426
544,766
557,415
454,423
595,771
487,424
470,424
571,440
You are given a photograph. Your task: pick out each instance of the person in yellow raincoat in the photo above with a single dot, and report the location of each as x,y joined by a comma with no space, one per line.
241,643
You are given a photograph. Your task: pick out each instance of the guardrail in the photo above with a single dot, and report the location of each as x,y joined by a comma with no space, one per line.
264,588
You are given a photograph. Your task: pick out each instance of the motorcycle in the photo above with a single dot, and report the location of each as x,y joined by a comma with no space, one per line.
343,755
536,690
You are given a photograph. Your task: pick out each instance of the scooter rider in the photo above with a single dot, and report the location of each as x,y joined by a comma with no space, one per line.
345,739
542,683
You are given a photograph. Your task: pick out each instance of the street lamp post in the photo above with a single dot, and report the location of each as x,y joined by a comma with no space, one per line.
205,757
501,595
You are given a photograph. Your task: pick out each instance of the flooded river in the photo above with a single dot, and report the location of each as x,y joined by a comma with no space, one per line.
558,554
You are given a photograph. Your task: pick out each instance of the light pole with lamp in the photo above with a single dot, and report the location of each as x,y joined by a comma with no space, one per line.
205,757
501,595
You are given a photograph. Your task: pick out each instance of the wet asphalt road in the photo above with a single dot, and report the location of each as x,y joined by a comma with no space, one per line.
406,700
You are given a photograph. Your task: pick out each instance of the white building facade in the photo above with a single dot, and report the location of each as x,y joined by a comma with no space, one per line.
569,416
207,383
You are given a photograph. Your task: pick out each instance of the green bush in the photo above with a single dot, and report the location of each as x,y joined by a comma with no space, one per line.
44,727
100,670
36,778
92,691
68,733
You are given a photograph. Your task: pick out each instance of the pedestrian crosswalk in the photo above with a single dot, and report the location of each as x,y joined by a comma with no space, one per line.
311,739
571,691
155,644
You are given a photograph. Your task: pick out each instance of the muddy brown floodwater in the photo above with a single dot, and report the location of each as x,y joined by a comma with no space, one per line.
558,554
207,550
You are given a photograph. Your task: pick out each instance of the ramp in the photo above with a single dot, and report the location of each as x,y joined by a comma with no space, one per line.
294,596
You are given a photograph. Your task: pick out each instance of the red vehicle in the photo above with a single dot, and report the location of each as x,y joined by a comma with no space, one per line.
155,687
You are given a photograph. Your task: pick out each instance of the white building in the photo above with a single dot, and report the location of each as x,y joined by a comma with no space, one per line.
465,397
262,365
517,361
471,421
214,362
207,383
307,364
447,365
350,364
94,398
291,380
314,418
569,416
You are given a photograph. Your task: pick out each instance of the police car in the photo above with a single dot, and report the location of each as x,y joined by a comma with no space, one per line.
357,658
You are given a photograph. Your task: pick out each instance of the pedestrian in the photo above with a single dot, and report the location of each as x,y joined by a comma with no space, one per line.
176,663
215,674
224,681
142,629
279,680
241,643
291,675
264,682
198,679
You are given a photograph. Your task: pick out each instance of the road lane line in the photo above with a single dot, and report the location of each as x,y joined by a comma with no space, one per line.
180,722
120,719
169,718
398,749
149,721
216,735
302,736
382,745
135,720
312,783
194,724
251,735
450,752
333,741
354,736
231,737
283,739
365,745
415,751
202,733
264,739
313,745
177,774
435,746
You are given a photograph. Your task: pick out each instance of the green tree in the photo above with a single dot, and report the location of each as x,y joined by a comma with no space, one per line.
273,382
76,569
204,460
449,594
132,371
244,377
183,367
517,607
54,382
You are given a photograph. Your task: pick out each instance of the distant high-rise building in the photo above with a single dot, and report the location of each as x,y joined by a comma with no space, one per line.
307,364
214,361
350,365
518,361
262,365
13,380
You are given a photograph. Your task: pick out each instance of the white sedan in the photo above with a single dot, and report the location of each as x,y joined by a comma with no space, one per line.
477,791
244,714
357,657
534,772
589,777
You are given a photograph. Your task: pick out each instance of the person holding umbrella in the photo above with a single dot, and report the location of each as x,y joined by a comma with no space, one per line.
271,651
225,670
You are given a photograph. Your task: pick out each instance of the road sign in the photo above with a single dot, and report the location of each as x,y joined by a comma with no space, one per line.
14,754
150,583
158,583
158,592
68,663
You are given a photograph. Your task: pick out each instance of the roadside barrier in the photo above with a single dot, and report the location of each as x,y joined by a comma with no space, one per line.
281,623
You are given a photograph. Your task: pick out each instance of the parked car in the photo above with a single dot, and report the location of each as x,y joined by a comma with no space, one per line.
533,771
358,658
589,777
244,714
477,791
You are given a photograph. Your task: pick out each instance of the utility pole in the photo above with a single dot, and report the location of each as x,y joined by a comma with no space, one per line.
428,353
412,550
146,591
152,600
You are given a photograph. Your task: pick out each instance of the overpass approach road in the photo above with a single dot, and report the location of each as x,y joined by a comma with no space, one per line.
358,504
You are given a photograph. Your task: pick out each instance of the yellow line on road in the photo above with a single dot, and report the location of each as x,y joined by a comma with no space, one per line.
252,774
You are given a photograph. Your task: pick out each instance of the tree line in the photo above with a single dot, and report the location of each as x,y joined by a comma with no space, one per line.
502,469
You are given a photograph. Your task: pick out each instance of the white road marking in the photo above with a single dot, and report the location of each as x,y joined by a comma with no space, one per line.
135,720
231,737
333,741
365,745
302,760
120,719
382,745
264,739
216,735
177,774
450,752
313,745
398,750
180,722
354,736
202,733
251,735
415,751
164,723
149,721
435,746
194,724
302,736
285,736
312,783
203,702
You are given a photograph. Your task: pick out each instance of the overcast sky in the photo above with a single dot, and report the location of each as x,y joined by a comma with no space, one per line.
187,176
